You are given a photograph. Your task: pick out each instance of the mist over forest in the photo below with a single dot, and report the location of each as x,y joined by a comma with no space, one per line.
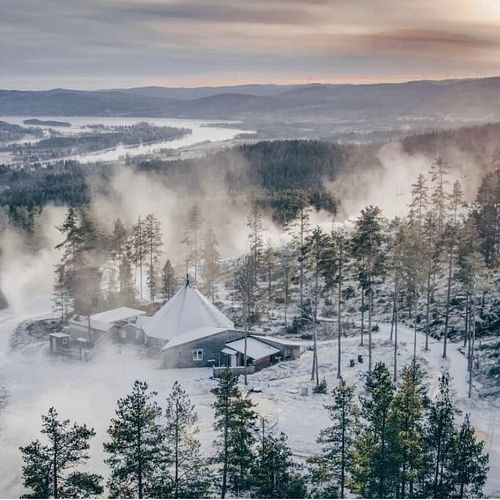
263,291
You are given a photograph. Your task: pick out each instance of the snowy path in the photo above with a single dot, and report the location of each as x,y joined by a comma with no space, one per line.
87,392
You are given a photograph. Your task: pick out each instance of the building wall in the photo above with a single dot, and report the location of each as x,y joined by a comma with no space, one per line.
182,356
77,330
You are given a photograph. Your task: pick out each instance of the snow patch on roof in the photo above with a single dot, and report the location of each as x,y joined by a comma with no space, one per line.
256,349
118,314
278,340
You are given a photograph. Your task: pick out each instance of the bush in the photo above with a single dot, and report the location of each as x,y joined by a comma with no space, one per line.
321,388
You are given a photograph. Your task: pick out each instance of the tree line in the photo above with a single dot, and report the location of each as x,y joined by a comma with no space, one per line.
433,269
134,259
391,442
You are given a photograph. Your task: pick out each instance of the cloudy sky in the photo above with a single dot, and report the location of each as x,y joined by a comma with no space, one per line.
123,43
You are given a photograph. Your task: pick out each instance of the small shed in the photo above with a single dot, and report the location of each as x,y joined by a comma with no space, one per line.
59,342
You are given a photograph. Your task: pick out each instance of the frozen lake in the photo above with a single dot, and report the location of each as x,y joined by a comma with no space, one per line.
201,131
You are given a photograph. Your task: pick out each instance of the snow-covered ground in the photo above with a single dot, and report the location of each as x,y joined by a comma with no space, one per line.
87,392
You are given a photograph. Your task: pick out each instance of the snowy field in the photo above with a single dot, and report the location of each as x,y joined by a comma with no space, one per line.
31,382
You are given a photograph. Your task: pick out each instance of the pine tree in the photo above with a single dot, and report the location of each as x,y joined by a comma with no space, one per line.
244,287
340,243
413,272
274,474
409,411
136,444
189,473
316,247
169,280
126,278
62,302
285,266
419,201
269,260
299,230
139,250
193,226
439,432
450,236
254,224
211,262
234,424
373,474
73,258
118,249
48,470
430,255
367,243
330,468
439,171
468,463
396,265
153,243
487,216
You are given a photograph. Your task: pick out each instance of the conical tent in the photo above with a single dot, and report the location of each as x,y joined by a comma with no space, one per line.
186,311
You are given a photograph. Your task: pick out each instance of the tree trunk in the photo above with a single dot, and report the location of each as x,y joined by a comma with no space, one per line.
466,326
471,360
339,322
415,332
362,315
245,350
448,296
427,311
226,451
396,296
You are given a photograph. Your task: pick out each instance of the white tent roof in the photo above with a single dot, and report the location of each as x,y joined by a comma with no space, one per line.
192,335
186,311
255,348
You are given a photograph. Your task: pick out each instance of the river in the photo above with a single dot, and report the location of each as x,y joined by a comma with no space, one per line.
201,131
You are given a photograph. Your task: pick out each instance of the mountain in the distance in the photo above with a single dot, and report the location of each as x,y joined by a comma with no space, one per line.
473,98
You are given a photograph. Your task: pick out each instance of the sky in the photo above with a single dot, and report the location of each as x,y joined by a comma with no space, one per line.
91,44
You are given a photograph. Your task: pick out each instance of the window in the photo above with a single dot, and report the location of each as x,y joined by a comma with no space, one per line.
197,354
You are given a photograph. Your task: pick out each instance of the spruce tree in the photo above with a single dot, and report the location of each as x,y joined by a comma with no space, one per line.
49,468
367,241
234,423
409,412
136,445
169,280
330,469
186,475
440,435
274,473
373,473
468,463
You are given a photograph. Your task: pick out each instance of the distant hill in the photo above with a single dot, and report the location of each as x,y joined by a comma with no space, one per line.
477,99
